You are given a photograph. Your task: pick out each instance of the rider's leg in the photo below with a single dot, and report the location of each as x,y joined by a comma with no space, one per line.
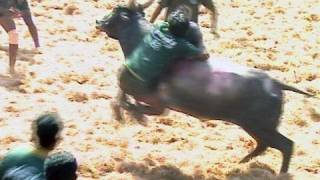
9,26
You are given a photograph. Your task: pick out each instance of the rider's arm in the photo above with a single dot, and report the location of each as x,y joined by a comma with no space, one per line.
194,36
192,52
214,13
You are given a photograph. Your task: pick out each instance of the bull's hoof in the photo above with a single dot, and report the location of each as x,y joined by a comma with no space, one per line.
116,111
137,115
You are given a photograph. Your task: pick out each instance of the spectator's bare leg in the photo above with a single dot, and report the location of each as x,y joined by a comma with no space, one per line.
9,26
26,15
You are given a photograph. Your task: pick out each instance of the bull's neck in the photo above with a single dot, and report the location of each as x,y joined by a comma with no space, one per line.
132,36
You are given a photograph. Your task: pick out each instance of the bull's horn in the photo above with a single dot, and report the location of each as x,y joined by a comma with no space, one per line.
147,4
132,4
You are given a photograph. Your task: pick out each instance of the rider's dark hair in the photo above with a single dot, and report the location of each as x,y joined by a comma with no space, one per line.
60,165
178,22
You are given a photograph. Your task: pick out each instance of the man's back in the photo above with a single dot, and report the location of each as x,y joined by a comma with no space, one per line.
157,51
23,173
19,157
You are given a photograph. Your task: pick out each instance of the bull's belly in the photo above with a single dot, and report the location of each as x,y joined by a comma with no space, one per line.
241,109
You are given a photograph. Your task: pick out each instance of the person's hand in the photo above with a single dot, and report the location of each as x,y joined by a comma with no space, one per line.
14,13
200,57
204,56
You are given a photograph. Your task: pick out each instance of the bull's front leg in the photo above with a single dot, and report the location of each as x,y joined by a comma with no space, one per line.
119,102
122,101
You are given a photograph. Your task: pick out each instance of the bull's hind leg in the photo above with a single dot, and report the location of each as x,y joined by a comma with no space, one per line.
269,138
283,144
272,138
256,152
260,148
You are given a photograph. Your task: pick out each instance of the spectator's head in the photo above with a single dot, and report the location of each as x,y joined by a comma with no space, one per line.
60,166
46,130
179,22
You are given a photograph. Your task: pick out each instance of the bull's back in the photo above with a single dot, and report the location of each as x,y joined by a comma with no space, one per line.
215,88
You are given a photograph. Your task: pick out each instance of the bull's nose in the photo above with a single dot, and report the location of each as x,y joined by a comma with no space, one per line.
98,25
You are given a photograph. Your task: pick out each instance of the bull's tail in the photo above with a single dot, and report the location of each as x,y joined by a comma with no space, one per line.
293,89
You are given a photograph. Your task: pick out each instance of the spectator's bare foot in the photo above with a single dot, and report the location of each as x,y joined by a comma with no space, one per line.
37,50
214,32
10,82
12,72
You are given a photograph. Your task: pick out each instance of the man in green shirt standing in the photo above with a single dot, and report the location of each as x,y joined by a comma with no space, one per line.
193,8
153,57
46,134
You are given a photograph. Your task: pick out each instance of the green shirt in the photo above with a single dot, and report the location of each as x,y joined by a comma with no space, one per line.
192,5
157,51
24,172
21,156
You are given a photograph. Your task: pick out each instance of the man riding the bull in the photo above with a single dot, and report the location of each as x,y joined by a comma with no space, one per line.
153,58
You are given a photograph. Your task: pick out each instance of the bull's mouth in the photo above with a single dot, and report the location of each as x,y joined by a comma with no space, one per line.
103,22
99,25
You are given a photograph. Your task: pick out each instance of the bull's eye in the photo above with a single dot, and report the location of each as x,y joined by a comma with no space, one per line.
124,16
107,17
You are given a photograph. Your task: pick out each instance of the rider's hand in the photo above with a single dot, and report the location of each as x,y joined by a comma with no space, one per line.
204,56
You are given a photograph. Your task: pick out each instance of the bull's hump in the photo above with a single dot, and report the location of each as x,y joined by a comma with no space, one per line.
224,65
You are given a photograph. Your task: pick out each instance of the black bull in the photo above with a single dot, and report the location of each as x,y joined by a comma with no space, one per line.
214,89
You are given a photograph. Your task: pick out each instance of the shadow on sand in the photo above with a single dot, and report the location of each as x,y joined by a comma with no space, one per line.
23,54
11,83
255,171
163,172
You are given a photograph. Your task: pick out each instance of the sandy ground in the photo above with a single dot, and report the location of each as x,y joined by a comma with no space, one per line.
76,77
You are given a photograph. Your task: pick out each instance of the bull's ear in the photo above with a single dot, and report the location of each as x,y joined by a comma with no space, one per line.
124,16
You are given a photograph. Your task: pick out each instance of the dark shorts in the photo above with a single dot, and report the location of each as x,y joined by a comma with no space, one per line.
23,6
134,86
